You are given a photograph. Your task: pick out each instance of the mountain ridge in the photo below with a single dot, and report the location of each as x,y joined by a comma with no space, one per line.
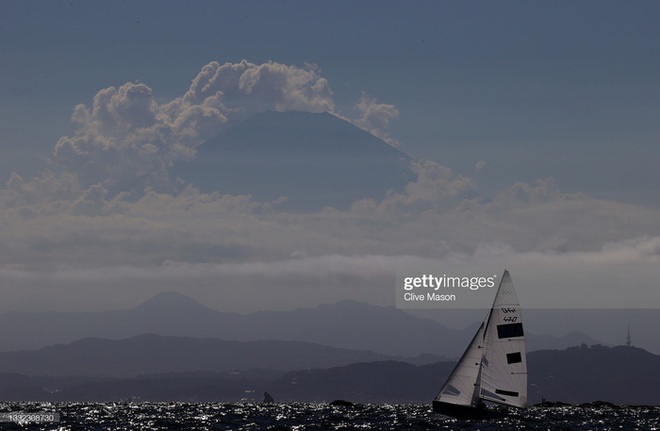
150,353
346,324
620,375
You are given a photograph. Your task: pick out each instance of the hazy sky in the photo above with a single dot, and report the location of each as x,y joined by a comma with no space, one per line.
535,124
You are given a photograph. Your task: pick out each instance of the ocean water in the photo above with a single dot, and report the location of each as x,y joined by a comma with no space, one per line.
299,416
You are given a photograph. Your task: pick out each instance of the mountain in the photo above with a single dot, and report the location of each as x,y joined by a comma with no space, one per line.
355,325
167,313
621,375
148,354
582,374
346,324
311,159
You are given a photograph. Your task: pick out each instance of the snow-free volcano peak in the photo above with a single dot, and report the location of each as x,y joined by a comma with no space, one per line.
312,159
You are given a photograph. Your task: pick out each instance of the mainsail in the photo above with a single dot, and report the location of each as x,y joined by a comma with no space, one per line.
494,366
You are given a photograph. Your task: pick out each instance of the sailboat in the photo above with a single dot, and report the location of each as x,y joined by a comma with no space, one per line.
494,367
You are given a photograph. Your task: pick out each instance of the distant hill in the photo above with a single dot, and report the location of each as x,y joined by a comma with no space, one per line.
147,354
346,324
546,342
311,159
621,375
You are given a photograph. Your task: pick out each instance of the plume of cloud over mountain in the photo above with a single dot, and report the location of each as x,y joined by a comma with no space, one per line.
126,138
375,117
239,90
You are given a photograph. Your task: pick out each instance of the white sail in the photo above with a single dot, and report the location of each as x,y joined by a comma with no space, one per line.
504,364
494,366
461,386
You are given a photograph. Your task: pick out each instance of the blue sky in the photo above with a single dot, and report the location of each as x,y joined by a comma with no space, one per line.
548,111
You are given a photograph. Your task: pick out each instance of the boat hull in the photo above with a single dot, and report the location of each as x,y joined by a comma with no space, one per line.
467,412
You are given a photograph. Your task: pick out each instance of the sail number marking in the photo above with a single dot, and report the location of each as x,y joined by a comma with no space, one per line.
510,319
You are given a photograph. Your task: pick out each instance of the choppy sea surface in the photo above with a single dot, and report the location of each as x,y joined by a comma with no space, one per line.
300,416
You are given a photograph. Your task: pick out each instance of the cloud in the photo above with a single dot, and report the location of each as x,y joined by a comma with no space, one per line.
53,220
436,183
375,117
124,137
245,88
126,140
588,280
45,189
237,91
436,187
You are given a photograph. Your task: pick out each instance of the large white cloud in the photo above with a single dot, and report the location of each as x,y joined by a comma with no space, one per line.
241,89
51,223
128,140
122,138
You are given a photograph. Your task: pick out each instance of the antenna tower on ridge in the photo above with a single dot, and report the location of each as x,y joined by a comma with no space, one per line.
628,340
